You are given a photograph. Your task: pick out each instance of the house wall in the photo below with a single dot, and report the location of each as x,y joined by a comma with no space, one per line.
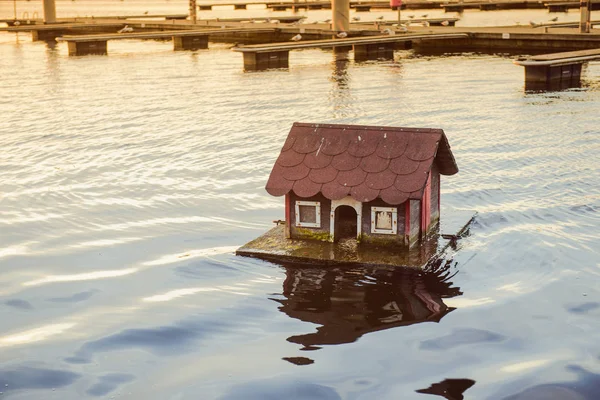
298,232
435,194
381,238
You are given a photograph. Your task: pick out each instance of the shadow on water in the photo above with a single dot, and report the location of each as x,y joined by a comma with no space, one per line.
353,301
451,389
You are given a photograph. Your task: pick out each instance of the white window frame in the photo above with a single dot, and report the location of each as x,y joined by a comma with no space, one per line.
394,212
317,205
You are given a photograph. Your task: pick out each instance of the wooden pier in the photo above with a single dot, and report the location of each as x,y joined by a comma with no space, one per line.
566,6
366,5
182,39
556,69
426,21
38,21
52,31
276,55
358,5
552,6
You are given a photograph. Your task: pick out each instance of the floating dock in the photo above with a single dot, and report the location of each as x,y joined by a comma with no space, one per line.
557,69
182,39
276,55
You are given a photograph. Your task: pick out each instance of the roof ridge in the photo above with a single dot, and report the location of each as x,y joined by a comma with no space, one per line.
369,127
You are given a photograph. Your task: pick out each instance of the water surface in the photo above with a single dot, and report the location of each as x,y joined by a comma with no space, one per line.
127,181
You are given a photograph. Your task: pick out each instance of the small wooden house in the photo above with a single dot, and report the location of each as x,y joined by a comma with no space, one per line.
378,184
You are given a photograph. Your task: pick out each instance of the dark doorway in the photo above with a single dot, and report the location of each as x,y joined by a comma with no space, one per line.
345,223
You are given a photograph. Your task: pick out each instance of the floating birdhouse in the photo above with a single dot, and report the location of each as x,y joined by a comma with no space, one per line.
360,195
377,184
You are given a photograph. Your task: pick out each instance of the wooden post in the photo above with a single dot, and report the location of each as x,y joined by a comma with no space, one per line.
584,21
341,15
193,15
49,11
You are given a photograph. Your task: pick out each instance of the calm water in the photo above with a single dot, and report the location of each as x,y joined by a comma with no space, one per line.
127,181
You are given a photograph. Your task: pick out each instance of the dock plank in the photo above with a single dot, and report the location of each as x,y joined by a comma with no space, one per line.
594,53
157,35
52,27
363,40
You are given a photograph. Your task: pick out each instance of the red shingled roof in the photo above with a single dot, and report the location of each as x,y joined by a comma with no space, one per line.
365,162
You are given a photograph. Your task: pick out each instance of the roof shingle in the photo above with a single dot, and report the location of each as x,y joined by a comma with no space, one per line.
366,162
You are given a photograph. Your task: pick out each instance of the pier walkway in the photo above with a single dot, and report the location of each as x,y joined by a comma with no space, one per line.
425,21
276,55
566,6
359,5
556,68
366,5
52,31
40,21
182,39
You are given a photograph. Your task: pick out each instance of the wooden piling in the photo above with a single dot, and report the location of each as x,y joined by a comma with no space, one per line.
341,15
49,11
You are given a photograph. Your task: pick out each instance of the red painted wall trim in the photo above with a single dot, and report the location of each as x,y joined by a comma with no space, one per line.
288,219
426,207
407,218
439,186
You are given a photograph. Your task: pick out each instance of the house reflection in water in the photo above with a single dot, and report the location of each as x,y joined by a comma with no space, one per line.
349,302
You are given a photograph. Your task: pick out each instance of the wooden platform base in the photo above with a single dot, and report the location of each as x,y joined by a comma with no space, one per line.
567,75
274,246
98,47
190,42
556,69
262,61
366,52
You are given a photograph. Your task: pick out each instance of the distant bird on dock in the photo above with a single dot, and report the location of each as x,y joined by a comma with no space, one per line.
533,24
445,23
388,31
327,21
380,17
410,16
145,12
296,38
554,19
424,15
125,29
342,35
355,18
